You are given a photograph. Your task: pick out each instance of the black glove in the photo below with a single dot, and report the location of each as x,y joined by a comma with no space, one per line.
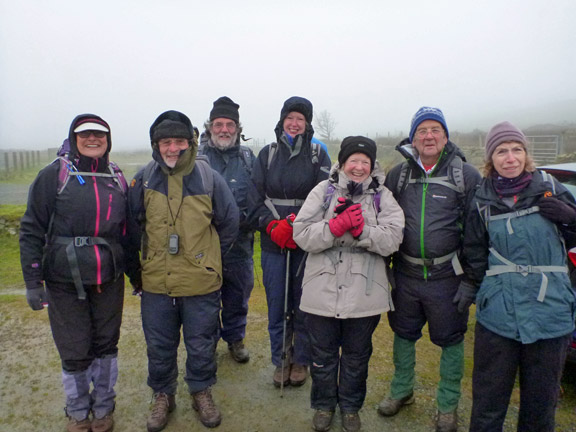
557,211
36,297
465,296
344,203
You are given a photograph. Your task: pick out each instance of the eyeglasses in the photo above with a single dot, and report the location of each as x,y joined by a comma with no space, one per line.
86,134
435,131
228,125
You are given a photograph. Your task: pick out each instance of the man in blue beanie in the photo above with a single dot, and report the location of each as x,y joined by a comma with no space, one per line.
432,186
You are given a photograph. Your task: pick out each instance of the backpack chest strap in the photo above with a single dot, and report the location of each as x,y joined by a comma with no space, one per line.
510,267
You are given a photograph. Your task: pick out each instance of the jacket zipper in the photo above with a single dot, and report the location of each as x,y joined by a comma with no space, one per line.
109,207
96,232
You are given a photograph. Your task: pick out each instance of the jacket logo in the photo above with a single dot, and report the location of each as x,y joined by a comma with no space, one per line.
439,196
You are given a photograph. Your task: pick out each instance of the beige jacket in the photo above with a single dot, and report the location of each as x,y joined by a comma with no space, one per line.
346,277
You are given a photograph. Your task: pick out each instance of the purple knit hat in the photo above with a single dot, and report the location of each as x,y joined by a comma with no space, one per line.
501,133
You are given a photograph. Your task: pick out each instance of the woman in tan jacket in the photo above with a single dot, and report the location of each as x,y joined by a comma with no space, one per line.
348,224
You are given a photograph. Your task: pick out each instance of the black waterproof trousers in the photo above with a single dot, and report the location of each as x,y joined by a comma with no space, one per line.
84,330
341,350
496,361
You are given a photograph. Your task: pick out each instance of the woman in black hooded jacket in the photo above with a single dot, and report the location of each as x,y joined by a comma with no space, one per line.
284,174
72,255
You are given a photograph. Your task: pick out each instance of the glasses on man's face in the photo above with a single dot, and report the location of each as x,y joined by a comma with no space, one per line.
86,134
221,125
435,131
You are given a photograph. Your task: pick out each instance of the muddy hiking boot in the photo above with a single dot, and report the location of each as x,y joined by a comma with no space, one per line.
298,375
239,352
78,425
351,422
162,405
447,422
103,424
207,410
390,407
281,374
322,420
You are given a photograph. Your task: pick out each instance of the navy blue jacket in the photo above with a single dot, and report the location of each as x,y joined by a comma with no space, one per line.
235,165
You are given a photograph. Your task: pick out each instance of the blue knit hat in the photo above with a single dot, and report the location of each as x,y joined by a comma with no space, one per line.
427,113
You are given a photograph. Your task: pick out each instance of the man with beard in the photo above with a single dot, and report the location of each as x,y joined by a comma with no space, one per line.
221,144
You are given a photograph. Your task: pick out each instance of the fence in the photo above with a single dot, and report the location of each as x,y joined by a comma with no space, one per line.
544,148
13,161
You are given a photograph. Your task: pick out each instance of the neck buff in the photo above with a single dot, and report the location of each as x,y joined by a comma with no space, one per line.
507,187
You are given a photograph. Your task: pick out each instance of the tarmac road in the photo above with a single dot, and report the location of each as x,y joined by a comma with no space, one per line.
13,193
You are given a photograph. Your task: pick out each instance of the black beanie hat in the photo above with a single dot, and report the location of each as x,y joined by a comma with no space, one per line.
298,104
226,108
171,129
357,144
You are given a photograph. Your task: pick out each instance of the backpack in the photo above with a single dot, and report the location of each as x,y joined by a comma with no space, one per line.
315,152
68,169
455,173
245,155
202,163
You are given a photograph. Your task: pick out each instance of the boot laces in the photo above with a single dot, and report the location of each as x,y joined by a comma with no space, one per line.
205,403
161,405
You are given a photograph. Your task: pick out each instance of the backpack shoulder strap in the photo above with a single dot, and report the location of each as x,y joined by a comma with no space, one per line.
246,156
206,174
148,170
315,152
118,176
330,189
548,178
457,171
63,173
405,172
271,153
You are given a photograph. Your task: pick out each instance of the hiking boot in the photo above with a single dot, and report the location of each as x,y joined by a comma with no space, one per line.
239,352
390,407
163,404
78,425
351,422
298,375
104,424
208,411
447,422
322,420
281,375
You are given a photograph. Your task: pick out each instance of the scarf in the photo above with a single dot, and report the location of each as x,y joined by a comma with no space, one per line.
507,187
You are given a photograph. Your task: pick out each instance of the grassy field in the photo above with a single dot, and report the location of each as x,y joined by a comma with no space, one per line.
31,397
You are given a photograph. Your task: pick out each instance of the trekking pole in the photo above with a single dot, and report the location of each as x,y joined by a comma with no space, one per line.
287,285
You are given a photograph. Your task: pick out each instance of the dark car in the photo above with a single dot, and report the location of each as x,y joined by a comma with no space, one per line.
566,174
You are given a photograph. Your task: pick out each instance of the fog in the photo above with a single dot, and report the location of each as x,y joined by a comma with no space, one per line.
370,64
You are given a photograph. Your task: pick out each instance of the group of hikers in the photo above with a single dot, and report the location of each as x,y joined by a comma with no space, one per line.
341,244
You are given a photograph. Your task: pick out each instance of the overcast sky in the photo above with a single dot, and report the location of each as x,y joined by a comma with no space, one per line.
371,64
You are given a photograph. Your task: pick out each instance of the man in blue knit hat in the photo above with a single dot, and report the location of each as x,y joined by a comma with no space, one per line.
433,187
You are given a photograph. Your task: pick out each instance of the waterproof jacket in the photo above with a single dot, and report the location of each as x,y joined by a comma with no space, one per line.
434,213
292,174
175,202
346,277
523,306
235,165
78,214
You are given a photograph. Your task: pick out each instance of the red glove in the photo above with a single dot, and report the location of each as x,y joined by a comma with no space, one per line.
357,230
280,231
348,219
